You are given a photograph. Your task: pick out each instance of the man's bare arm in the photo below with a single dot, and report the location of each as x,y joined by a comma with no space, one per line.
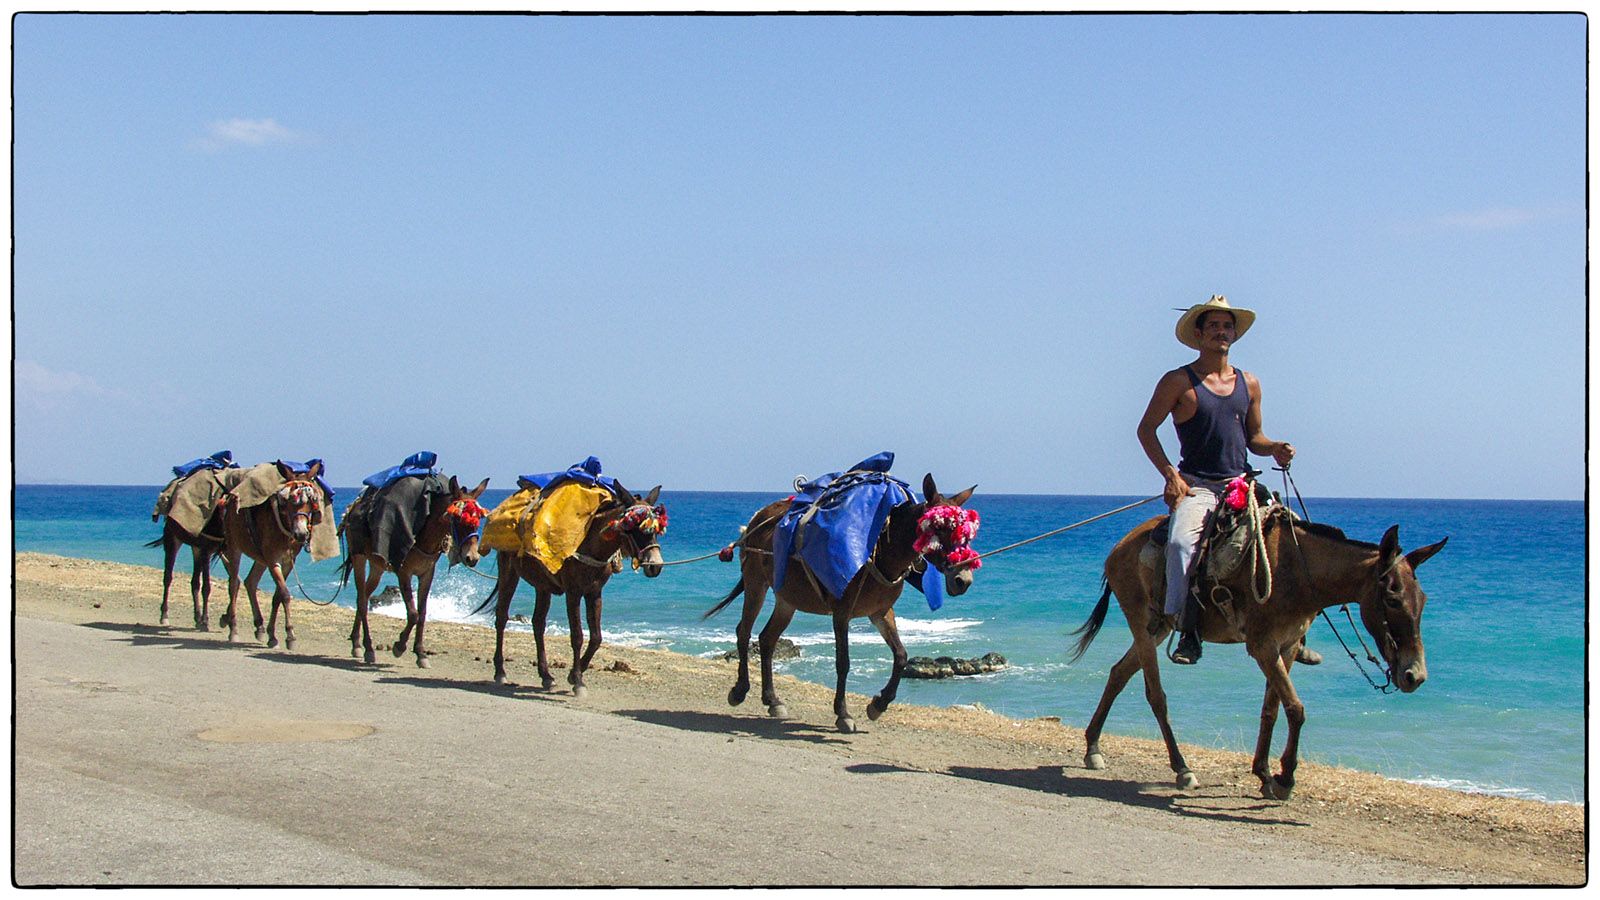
1261,445
1162,402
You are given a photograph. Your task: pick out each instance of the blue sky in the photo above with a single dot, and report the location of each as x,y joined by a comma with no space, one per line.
720,252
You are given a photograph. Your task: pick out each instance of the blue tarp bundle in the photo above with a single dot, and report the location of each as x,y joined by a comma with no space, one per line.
586,472
222,459
851,509
300,468
418,464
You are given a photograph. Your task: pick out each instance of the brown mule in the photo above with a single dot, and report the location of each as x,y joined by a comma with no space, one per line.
1313,567
870,594
582,579
450,527
271,534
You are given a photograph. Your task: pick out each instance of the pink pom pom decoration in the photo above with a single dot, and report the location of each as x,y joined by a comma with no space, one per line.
1238,492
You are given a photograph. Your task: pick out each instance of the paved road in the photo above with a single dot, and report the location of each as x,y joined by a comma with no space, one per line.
142,759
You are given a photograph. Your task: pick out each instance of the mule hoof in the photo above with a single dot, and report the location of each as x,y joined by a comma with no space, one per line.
1274,788
398,650
371,657
874,710
777,710
233,637
202,625
422,663
288,642
548,684
355,650
737,694
499,678
846,725
261,634
271,643
578,691
1187,781
1094,760
165,621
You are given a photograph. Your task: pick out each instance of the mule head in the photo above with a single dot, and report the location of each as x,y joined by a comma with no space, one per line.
638,524
465,518
1392,610
299,500
944,533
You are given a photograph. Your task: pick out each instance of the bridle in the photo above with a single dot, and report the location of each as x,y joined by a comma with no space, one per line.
640,518
300,492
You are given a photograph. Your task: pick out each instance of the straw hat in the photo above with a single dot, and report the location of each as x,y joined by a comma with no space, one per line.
1242,319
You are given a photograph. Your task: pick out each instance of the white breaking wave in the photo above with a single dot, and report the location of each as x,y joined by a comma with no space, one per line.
1469,787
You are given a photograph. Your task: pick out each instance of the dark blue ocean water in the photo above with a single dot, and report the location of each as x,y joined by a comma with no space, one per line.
1502,712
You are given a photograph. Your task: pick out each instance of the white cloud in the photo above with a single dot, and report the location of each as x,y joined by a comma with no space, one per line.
45,388
248,133
1490,219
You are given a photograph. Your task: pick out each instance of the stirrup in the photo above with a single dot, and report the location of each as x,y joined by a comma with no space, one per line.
1306,656
1188,650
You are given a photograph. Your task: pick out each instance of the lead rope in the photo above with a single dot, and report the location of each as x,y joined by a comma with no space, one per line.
968,562
1388,685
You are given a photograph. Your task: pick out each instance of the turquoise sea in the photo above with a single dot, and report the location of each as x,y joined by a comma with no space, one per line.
1502,711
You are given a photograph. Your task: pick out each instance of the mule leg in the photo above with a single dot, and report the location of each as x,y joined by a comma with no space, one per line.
505,588
252,580
1118,679
280,597
841,667
592,605
1274,663
198,557
203,621
541,613
169,554
424,584
776,623
1145,648
230,562
406,594
891,636
575,626
755,593
368,574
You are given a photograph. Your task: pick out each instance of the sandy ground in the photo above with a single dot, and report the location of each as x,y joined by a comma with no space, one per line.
1390,832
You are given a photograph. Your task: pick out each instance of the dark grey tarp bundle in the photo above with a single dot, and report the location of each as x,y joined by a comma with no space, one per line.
387,522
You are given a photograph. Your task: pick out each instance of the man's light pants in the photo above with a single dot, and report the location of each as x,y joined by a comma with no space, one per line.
1183,536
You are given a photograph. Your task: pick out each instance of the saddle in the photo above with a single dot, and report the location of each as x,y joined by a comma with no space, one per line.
1227,543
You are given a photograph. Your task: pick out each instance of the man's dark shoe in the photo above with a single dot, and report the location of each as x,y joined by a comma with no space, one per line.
1306,656
1188,652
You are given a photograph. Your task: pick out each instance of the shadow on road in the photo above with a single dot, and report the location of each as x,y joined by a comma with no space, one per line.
164,636
724,723
1051,780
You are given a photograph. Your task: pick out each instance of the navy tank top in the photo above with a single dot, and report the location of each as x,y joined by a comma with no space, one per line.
1213,439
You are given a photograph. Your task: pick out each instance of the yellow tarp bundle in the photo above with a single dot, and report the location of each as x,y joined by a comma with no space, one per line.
547,526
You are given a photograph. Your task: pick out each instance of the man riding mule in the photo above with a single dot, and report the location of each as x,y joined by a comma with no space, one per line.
402,522
1216,409
883,538
1312,567
567,533
276,510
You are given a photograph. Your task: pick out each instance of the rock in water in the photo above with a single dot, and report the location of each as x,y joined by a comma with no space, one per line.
785,649
948,667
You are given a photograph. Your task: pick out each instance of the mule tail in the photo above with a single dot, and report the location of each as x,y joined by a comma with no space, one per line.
157,542
494,595
1090,629
737,590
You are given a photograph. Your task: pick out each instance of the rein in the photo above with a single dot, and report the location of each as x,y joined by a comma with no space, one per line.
1388,686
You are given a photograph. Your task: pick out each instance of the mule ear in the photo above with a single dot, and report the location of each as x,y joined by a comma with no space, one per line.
962,498
285,471
930,491
623,493
314,470
477,492
1390,545
654,495
1422,554
455,487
